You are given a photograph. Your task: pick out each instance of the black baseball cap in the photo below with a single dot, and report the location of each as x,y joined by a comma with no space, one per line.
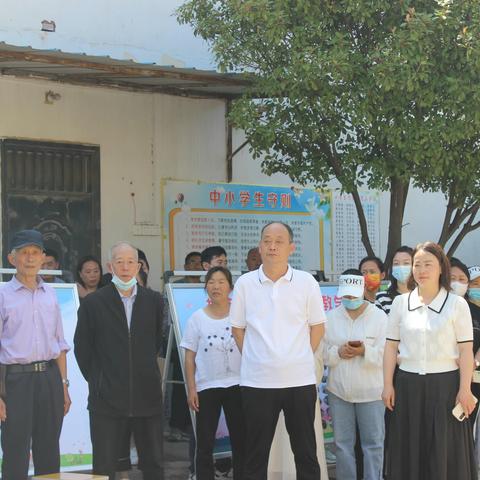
24,238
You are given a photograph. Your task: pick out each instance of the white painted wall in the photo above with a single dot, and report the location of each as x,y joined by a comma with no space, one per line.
146,137
140,30
423,214
142,138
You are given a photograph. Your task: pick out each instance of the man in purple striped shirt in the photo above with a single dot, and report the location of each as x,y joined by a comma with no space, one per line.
33,353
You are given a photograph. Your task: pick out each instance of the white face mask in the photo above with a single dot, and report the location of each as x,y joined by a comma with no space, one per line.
459,288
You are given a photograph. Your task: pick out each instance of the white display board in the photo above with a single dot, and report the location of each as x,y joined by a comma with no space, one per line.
348,248
238,233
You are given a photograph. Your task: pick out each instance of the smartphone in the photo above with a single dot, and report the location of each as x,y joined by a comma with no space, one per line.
458,412
355,343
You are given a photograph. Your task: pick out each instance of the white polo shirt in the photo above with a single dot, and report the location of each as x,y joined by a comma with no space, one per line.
429,334
277,317
358,379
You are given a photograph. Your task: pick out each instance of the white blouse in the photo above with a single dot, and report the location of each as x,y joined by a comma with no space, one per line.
217,359
429,334
357,379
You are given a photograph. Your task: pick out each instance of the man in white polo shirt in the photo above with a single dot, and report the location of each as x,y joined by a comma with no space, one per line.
278,321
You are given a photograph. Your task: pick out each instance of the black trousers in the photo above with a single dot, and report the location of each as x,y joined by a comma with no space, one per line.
262,407
34,419
124,461
180,413
211,401
107,434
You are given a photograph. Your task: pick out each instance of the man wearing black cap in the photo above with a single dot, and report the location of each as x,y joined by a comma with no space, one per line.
33,355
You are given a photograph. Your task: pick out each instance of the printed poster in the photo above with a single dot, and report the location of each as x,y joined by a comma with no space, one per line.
200,215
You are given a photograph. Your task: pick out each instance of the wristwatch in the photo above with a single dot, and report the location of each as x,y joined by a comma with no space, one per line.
66,382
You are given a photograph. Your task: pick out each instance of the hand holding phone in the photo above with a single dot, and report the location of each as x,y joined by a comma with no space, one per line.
458,411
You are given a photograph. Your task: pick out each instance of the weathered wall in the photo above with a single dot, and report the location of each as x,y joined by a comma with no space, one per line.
142,138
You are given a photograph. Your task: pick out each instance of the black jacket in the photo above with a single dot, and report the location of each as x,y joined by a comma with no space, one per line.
119,365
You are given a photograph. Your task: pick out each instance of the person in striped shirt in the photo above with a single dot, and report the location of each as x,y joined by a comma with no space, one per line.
399,275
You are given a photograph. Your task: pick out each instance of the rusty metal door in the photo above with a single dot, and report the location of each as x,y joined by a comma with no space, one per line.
53,188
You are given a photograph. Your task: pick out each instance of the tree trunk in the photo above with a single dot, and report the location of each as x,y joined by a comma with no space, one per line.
363,223
398,199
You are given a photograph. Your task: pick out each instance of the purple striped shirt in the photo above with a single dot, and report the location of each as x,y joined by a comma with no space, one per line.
30,323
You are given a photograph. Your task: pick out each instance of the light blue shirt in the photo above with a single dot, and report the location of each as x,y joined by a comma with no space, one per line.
128,304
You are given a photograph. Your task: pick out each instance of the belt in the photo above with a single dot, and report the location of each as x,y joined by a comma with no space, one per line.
34,367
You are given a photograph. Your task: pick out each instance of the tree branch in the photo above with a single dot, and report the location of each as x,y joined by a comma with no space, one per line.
445,233
336,167
468,227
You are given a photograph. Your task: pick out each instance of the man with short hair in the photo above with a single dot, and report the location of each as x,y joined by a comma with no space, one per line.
51,262
193,263
278,320
117,340
254,259
33,354
214,257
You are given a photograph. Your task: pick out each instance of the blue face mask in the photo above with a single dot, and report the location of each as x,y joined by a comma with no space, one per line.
401,272
121,285
474,294
352,303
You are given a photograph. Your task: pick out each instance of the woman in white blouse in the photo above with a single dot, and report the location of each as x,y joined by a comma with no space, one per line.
212,368
353,351
430,335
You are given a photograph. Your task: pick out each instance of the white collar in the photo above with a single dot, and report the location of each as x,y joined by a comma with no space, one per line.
436,305
263,278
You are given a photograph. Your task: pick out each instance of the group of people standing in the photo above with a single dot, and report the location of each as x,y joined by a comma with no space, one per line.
400,362
416,353
117,342
255,358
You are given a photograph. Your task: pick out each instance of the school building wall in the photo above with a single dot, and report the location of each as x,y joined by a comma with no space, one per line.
142,138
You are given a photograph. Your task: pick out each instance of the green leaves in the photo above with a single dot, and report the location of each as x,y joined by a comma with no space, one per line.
360,90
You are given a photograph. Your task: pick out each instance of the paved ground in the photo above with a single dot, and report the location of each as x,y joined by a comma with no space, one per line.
176,460
176,463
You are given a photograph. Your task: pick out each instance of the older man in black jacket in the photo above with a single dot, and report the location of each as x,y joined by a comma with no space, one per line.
117,341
